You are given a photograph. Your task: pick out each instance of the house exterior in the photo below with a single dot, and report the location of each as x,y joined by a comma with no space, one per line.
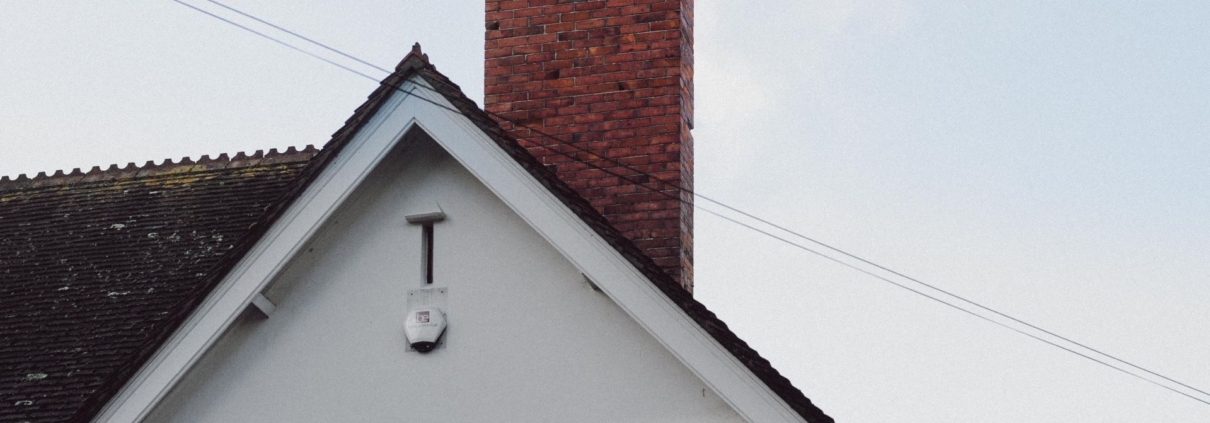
279,286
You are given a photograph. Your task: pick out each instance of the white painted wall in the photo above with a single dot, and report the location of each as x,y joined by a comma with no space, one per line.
529,340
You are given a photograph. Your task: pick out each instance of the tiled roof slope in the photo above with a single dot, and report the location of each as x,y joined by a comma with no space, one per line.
94,266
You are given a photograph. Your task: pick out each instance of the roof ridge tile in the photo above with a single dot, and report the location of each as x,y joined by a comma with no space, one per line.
150,168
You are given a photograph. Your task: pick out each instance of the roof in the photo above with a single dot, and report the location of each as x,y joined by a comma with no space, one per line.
95,266
88,399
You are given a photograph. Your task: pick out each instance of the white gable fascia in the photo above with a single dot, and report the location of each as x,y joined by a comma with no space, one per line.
478,153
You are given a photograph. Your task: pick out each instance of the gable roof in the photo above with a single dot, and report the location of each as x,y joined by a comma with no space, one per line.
415,64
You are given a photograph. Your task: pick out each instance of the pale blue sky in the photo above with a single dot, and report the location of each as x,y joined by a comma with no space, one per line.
1049,159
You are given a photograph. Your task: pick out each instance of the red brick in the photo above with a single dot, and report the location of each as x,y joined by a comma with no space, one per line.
571,110
543,19
570,54
513,23
490,71
590,99
667,6
558,83
557,64
499,52
604,13
511,97
586,43
614,77
655,36
603,32
561,27
656,26
510,42
557,9
515,4
603,50
590,80
622,20
575,16
527,49
499,15
590,5
586,62
590,24
557,46
588,118
498,89
539,57
573,35
663,44
541,39
526,68
527,12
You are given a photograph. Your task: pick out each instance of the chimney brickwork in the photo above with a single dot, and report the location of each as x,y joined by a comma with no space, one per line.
614,77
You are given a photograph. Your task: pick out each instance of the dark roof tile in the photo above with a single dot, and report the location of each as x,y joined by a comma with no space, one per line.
93,267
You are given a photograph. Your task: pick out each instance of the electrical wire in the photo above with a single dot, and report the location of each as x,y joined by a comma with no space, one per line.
951,305
871,274
304,38
728,207
283,43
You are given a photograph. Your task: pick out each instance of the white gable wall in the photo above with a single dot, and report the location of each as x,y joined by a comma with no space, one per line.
529,340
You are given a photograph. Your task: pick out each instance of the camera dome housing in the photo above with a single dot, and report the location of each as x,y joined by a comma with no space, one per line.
424,327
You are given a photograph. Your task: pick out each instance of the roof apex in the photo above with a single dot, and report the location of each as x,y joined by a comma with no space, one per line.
414,60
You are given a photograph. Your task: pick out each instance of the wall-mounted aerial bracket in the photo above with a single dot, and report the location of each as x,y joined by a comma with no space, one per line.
263,304
426,217
428,214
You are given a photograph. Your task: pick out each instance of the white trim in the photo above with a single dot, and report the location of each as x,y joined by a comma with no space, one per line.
426,217
263,304
595,258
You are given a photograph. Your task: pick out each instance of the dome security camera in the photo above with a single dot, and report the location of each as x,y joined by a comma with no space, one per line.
424,327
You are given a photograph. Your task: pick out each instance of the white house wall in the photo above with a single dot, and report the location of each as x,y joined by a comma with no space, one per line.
528,340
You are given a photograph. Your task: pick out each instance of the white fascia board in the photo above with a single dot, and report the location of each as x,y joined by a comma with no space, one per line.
478,153
263,262
603,264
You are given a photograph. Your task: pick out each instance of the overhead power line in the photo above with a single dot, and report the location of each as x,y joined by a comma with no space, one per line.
304,38
267,37
841,262
653,179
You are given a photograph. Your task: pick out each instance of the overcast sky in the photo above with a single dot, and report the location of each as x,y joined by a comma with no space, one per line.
1049,159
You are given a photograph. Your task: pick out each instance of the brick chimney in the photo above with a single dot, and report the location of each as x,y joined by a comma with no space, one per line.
614,77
